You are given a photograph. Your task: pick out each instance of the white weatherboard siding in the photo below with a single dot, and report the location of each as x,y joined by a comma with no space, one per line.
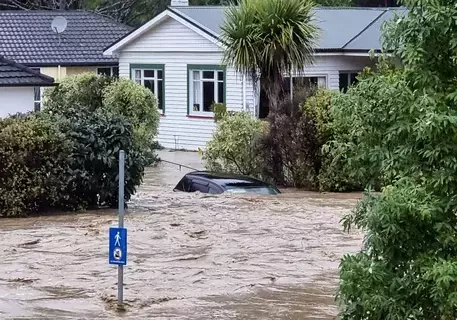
330,67
16,99
176,46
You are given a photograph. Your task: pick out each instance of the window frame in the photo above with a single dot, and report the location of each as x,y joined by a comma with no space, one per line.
111,70
348,73
190,85
311,75
156,67
37,104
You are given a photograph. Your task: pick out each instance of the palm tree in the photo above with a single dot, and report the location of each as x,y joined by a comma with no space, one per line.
267,39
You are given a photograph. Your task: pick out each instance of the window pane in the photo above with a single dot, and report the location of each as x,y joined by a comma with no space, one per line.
208,95
160,74
116,71
149,73
137,74
160,93
208,74
37,93
321,82
37,106
344,83
149,84
196,75
197,95
104,71
220,76
220,92
353,78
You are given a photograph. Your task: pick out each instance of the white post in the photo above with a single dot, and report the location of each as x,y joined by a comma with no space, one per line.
120,268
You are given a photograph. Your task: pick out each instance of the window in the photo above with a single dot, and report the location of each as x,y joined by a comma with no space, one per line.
151,77
37,98
37,94
347,79
203,187
108,71
301,82
206,87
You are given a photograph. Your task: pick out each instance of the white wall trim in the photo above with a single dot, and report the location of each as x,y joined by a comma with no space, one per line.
113,50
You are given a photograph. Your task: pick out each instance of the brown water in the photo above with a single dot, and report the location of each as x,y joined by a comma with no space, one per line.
191,256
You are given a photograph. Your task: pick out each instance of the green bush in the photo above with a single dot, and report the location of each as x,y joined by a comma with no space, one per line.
83,90
318,107
96,140
234,145
405,124
90,92
290,150
55,162
35,158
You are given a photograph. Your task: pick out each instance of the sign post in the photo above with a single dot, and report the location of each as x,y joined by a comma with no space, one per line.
118,238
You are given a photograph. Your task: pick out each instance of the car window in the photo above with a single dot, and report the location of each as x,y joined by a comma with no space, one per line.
215,189
252,190
183,185
203,187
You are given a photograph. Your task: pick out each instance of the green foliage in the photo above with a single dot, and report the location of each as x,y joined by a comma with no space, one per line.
318,107
269,38
83,90
89,92
139,105
220,110
96,140
290,149
234,145
65,162
407,128
35,160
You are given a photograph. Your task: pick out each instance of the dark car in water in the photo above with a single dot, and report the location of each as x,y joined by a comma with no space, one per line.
217,183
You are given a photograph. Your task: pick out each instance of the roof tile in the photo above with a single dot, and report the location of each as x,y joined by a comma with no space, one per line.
26,37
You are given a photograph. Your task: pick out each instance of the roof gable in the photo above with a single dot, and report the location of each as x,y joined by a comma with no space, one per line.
159,19
26,37
13,74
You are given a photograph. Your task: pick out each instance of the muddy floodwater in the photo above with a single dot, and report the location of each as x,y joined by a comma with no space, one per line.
190,256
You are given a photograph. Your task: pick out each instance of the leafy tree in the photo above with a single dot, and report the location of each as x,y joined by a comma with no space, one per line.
407,268
268,38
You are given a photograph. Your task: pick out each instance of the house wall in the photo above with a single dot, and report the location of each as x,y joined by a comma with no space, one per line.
66,71
15,99
176,46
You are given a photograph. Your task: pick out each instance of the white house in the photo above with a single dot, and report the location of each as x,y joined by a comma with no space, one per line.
178,56
17,87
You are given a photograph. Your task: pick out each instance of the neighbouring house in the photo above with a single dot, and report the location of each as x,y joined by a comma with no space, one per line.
178,55
26,37
17,83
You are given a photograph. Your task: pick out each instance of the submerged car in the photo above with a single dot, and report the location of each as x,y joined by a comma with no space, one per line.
217,183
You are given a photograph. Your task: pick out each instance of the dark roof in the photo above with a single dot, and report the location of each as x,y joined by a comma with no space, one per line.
13,74
341,28
26,37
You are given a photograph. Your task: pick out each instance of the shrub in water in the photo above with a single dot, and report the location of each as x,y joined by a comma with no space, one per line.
35,158
234,145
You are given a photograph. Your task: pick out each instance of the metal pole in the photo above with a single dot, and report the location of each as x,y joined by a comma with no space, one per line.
120,268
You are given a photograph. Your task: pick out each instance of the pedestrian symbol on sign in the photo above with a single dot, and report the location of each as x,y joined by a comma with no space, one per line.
118,246
117,237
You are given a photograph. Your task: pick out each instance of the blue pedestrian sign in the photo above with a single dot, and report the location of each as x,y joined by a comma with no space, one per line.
118,246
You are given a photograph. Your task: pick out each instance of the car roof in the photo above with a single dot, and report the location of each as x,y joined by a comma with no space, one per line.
225,179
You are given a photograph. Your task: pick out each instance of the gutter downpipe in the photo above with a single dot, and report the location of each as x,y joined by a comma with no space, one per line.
243,107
